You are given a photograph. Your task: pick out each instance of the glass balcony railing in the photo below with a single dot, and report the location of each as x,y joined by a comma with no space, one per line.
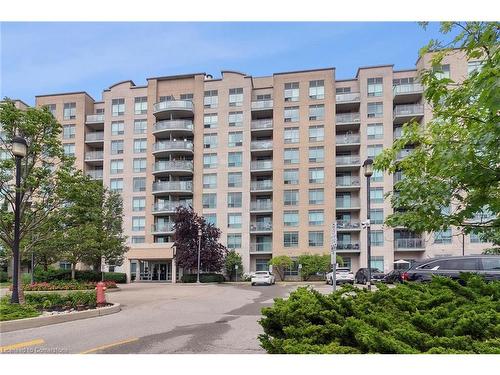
173,105
94,136
347,203
184,186
263,247
347,97
262,104
173,125
346,181
94,155
409,88
409,243
347,118
173,145
261,205
173,165
261,226
261,145
169,206
353,245
408,110
261,164
95,174
346,139
261,185
95,119
347,160
352,224
167,227
262,124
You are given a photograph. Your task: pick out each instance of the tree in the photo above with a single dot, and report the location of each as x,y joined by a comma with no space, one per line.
233,259
280,263
186,227
452,176
315,263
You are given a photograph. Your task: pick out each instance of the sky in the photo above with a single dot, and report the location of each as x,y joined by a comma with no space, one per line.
44,58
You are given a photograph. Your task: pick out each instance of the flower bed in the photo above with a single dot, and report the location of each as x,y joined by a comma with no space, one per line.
65,285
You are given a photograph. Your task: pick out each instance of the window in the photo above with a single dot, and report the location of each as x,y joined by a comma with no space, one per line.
474,66
263,97
211,99
316,154
492,263
316,133
69,149
377,195
138,204
377,176
210,140
209,161
291,135
236,97
234,220
116,184
291,114
166,98
290,197
211,219
188,96
442,71
210,181
234,241
375,86
138,223
468,264
117,128
69,112
209,200
291,93
234,200
69,131
347,262
261,265
377,263
235,139
293,270
116,166
290,239
139,184
65,265
316,217
375,110
141,105
316,112
477,238
374,150
117,147
315,239
443,237
138,239
291,176
377,238
210,120
291,218
291,156
317,89
140,145
139,165
52,109
342,90
316,175
235,119
140,126
375,131
377,216
316,196
234,159
117,107
234,179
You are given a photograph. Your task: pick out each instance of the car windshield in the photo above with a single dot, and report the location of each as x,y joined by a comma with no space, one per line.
261,273
346,270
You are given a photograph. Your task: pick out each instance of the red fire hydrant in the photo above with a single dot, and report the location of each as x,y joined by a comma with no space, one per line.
101,296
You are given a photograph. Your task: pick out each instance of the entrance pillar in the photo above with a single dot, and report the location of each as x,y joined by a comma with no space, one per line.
174,271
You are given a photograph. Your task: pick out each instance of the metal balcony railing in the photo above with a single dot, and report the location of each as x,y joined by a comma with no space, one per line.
409,243
94,155
97,119
173,105
261,124
408,88
169,206
186,186
96,174
346,139
173,125
261,226
347,118
264,247
353,245
348,97
262,104
408,110
94,136
353,224
173,165
347,203
163,227
261,205
347,160
261,145
347,181
261,185
173,145
261,164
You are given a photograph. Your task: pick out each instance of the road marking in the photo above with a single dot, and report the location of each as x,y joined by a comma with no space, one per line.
21,345
109,345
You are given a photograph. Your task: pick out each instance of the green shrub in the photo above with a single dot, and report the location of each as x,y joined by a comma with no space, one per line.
88,275
66,285
52,274
3,277
204,278
117,277
443,316
15,311
53,300
25,278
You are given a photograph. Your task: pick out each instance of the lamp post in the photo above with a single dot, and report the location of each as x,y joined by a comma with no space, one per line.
19,150
368,171
199,255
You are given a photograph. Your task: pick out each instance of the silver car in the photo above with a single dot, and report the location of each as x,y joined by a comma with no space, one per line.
343,275
263,277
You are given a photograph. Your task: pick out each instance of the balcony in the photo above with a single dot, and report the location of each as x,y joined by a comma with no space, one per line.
94,156
409,244
173,108
348,247
406,112
262,105
262,247
397,132
348,97
264,185
170,187
166,147
94,137
261,227
168,207
95,174
261,165
348,161
261,145
347,204
348,225
166,127
398,176
264,124
162,228
403,153
261,206
347,183
347,118
94,119
178,167
407,93
347,139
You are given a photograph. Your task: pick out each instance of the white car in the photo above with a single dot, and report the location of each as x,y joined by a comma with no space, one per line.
263,277
343,275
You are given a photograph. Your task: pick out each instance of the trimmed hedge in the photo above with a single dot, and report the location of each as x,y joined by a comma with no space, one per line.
15,311
117,277
93,276
442,316
66,285
3,277
204,278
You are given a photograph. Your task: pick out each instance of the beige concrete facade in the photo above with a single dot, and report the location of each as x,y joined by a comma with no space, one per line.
273,161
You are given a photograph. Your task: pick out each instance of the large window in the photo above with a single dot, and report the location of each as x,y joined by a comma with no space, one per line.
290,239
291,114
316,133
316,217
210,99
317,112
234,220
138,239
235,139
316,238
138,223
290,197
140,145
52,109
235,119
117,147
209,161
116,166
375,86
210,120
210,181
443,237
117,128
291,92
316,175
261,265
377,237
236,97
140,126
377,216
140,165
139,184
234,200
377,262
69,149
316,196
317,89
291,177
211,219
442,71
316,154
234,179
138,204
375,110
377,195
291,156
141,105
234,241
210,140
474,66
69,112
291,218
209,200
374,150
116,185
69,131
234,159
291,135
375,131
117,107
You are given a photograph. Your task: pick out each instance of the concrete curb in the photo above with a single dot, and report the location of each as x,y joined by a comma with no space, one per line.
40,321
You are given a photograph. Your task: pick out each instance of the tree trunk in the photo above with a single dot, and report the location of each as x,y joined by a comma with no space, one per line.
73,268
20,286
280,273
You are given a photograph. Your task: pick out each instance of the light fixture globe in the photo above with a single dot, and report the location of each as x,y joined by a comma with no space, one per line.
19,147
368,167
199,232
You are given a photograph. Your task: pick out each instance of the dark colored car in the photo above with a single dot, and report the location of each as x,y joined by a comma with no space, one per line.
487,266
395,276
362,275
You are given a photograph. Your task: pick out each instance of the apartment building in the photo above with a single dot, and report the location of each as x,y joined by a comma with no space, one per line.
272,161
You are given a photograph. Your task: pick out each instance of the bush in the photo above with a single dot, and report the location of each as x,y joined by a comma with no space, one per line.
117,277
66,285
3,277
53,274
443,316
15,311
204,278
55,300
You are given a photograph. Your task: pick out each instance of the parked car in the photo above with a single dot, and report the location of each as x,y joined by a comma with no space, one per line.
362,275
484,265
343,275
263,277
395,276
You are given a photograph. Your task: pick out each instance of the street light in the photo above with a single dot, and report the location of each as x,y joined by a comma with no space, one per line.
19,150
368,172
199,254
